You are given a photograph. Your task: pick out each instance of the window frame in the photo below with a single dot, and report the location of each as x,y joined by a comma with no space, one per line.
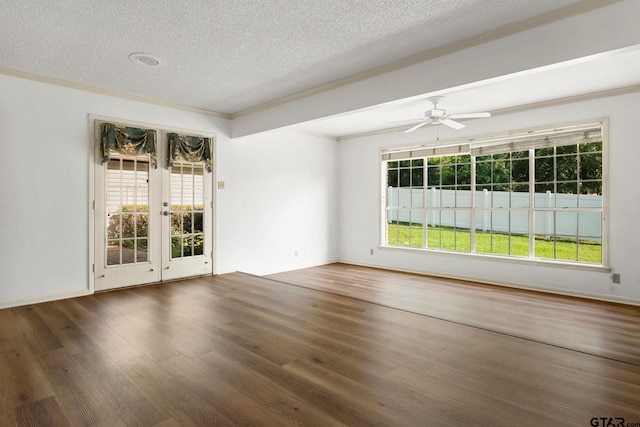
475,146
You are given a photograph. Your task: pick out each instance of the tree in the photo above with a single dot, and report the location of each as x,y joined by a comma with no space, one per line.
570,169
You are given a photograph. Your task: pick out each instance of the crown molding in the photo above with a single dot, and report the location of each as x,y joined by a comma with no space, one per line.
110,92
488,36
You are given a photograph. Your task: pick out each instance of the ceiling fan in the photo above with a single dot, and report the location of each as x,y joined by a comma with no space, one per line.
437,116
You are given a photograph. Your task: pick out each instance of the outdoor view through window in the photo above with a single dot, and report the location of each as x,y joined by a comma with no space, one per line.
535,195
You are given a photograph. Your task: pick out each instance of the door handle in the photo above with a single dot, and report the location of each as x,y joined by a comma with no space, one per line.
165,213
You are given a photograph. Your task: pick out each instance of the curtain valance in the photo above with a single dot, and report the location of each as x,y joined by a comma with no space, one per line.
190,149
129,141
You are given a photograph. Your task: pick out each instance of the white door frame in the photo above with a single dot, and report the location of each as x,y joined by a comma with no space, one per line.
95,161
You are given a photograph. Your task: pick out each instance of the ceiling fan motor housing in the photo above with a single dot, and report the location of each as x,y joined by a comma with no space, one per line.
435,113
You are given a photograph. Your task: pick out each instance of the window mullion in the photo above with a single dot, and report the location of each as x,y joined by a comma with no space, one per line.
472,219
425,186
532,200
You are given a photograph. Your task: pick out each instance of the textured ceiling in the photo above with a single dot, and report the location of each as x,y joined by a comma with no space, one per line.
230,55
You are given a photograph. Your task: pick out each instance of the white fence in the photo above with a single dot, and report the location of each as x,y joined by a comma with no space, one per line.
408,206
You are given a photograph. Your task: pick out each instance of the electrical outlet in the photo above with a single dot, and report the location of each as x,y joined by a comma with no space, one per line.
371,251
615,277
295,253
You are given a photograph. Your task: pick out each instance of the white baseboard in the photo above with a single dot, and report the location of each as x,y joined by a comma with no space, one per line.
47,298
293,268
564,292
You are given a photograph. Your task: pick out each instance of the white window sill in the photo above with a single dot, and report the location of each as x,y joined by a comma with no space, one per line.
503,259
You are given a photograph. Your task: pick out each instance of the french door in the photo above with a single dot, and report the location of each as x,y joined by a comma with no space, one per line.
151,224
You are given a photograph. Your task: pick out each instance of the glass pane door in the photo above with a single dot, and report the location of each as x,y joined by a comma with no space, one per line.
190,219
127,236
127,219
151,224
187,211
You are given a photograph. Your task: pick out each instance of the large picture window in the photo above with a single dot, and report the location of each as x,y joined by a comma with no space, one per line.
534,194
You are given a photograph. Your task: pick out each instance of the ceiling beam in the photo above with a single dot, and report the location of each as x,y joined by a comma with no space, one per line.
610,26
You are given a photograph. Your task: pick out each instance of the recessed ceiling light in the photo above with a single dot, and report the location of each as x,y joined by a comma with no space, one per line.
145,59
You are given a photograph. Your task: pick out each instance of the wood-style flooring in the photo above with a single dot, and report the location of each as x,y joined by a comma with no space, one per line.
236,349
600,328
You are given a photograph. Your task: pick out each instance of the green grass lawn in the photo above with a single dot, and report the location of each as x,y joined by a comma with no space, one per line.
495,243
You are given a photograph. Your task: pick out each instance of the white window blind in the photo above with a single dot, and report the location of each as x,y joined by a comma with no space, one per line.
420,152
541,139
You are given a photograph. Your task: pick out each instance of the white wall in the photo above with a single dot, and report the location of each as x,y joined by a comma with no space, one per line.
359,198
279,202
44,191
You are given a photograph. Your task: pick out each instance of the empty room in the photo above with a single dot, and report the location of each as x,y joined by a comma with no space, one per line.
319,213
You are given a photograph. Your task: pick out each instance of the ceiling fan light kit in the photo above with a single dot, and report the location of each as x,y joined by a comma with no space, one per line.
437,116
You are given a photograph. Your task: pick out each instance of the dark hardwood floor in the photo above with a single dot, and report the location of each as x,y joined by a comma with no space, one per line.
237,349
595,327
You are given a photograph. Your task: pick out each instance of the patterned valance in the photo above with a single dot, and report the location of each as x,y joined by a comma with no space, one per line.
190,149
129,141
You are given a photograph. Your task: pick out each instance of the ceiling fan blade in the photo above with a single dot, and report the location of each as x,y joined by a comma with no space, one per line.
470,115
452,123
419,125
